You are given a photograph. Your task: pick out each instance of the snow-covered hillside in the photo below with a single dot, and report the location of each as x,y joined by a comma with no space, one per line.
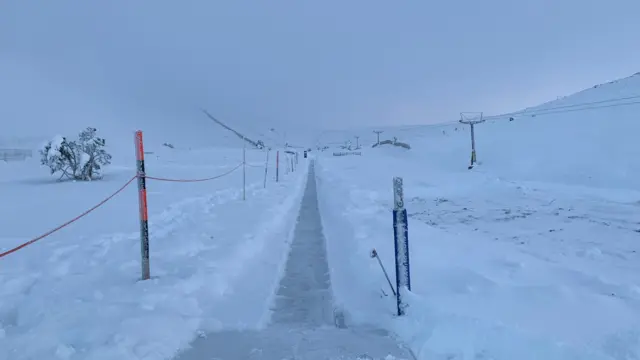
588,138
533,254
75,293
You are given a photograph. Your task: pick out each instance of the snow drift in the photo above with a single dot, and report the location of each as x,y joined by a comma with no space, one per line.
533,254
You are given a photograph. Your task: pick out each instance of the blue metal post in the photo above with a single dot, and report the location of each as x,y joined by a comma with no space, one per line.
401,240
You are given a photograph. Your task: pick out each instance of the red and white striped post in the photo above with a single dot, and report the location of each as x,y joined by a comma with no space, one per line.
142,200
277,165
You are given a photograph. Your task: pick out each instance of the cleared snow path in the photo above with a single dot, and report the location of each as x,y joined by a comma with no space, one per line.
303,324
304,296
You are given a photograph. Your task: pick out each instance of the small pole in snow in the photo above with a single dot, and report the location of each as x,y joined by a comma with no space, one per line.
266,169
357,142
374,254
401,245
244,169
142,201
277,165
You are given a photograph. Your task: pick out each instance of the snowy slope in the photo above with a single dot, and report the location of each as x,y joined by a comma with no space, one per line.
532,255
587,138
76,294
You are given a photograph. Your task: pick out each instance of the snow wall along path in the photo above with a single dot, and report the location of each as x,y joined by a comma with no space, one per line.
303,322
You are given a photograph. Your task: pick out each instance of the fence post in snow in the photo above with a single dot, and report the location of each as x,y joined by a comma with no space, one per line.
277,165
401,245
244,169
473,145
287,164
266,169
142,201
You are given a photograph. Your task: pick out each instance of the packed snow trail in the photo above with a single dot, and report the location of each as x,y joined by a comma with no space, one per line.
304,295
302,324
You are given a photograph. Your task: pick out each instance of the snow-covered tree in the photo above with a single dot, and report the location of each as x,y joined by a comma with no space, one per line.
81,160
56,154
91,152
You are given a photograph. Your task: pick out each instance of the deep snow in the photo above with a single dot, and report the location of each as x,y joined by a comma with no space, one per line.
534,254
492,263
77,294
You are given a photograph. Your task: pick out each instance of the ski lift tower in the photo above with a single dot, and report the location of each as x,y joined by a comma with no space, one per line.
378,132
471,119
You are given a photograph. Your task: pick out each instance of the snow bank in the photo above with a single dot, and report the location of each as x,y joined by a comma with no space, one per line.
500,269
533,254
214,260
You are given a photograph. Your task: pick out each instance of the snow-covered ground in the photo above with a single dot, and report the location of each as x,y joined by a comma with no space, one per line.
303,323
76,294
534,254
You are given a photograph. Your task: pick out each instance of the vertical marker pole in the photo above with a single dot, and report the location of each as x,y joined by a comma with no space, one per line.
401,240
244,169
142,200
287,165
473,146
266,169
277,165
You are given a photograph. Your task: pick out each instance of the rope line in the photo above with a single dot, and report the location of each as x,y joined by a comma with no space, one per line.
193,180
104,201
60,227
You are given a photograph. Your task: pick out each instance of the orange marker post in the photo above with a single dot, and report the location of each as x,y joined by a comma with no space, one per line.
142,199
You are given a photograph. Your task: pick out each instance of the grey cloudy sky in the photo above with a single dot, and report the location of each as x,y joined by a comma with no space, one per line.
321,64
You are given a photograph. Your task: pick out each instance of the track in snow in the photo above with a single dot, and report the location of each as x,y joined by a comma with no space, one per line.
304,295
303,325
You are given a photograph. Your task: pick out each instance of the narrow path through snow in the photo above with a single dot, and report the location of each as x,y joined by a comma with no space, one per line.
302,323
304,296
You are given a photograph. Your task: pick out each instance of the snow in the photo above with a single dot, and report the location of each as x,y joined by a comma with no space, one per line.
77,295
56,142
302,322
534,254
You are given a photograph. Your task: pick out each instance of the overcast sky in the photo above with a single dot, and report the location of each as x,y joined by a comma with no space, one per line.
321,63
